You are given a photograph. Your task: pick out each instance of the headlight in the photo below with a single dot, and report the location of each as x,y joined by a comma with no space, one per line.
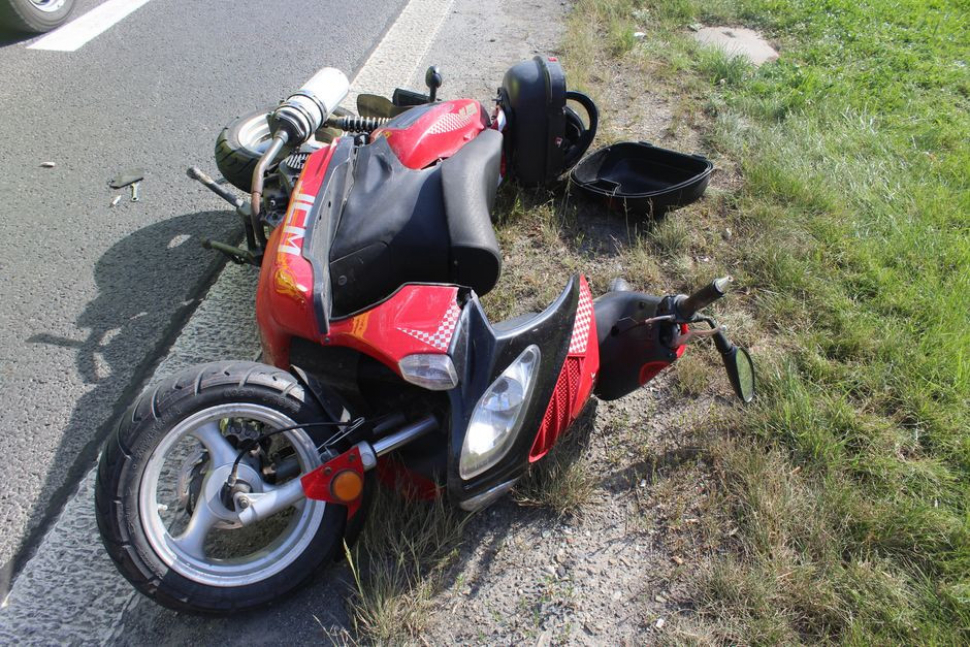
435,372
497,417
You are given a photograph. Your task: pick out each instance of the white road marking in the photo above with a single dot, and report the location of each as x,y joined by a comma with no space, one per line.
75,34
402,49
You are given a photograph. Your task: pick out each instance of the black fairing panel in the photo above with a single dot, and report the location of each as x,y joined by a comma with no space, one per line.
624,344
392,230
401,225
481,353
469,180
322,224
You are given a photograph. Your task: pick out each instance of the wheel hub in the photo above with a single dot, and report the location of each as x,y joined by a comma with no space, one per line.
214,487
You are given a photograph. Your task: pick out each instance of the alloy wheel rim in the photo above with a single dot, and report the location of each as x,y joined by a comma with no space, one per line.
48,6
187,556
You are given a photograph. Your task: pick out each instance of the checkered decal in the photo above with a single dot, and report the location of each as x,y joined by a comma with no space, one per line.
440,339
584,315
449,122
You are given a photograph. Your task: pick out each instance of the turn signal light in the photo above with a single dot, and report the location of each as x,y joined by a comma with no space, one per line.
347,486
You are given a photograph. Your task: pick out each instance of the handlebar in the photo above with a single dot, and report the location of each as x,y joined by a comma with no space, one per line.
687,307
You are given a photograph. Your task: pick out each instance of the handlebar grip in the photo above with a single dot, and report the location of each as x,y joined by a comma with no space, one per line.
704,297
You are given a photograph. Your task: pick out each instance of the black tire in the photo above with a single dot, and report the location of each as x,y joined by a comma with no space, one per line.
236,155
35,18
125,458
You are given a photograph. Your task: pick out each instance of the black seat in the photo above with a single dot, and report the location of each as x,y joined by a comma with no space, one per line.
401,225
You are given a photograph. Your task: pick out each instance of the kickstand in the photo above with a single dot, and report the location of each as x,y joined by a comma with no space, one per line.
234,254
198,175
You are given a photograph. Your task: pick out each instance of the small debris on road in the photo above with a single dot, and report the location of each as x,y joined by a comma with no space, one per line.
48,164
115,200
126,178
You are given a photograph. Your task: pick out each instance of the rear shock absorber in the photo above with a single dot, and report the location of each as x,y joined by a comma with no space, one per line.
356,124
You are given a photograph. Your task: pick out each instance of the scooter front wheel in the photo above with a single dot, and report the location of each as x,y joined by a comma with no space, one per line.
165,514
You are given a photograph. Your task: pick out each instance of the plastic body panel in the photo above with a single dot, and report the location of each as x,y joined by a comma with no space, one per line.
413,319
642,179
575,382
631,352
533,95
481,353
425,134
284,297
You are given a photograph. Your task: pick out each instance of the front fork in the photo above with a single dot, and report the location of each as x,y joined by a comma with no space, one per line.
340,480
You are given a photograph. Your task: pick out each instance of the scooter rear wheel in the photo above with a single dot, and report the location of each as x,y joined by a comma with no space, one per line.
241,144
161,511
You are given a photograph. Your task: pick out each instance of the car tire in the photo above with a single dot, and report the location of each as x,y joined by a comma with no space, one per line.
34,16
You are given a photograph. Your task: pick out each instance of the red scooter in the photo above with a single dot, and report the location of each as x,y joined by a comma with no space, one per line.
225,486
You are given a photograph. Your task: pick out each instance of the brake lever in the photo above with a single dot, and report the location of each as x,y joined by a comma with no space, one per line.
682,339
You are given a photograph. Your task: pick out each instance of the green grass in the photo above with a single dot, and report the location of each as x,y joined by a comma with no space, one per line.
850,479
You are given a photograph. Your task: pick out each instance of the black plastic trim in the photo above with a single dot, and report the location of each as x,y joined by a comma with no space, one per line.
322,222
481,353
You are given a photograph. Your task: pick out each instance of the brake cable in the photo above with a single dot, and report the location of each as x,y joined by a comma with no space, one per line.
248,444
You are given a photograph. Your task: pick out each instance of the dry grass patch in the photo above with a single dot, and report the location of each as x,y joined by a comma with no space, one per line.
399,564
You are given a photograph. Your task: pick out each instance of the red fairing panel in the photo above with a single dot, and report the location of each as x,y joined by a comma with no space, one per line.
415,319
438,133
576,379
284,298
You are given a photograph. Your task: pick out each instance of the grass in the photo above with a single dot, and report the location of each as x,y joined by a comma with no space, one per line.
851,241
399,564
563,481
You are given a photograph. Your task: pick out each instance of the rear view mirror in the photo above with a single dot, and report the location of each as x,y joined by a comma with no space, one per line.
740,370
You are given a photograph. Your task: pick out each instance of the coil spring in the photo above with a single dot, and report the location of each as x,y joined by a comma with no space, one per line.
357,124
296,161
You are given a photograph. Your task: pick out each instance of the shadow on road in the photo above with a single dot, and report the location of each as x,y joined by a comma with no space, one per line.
148,285
8,38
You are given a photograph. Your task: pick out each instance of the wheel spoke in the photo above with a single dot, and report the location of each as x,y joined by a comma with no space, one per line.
192,540
220,450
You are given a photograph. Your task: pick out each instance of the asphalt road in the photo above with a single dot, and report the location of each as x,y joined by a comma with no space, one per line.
91,296
69,592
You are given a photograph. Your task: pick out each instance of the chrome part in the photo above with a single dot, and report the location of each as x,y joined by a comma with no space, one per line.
367,456
488,497
653,320
398,439
305,111
279,141
48,6
194,552
256,506
501,121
